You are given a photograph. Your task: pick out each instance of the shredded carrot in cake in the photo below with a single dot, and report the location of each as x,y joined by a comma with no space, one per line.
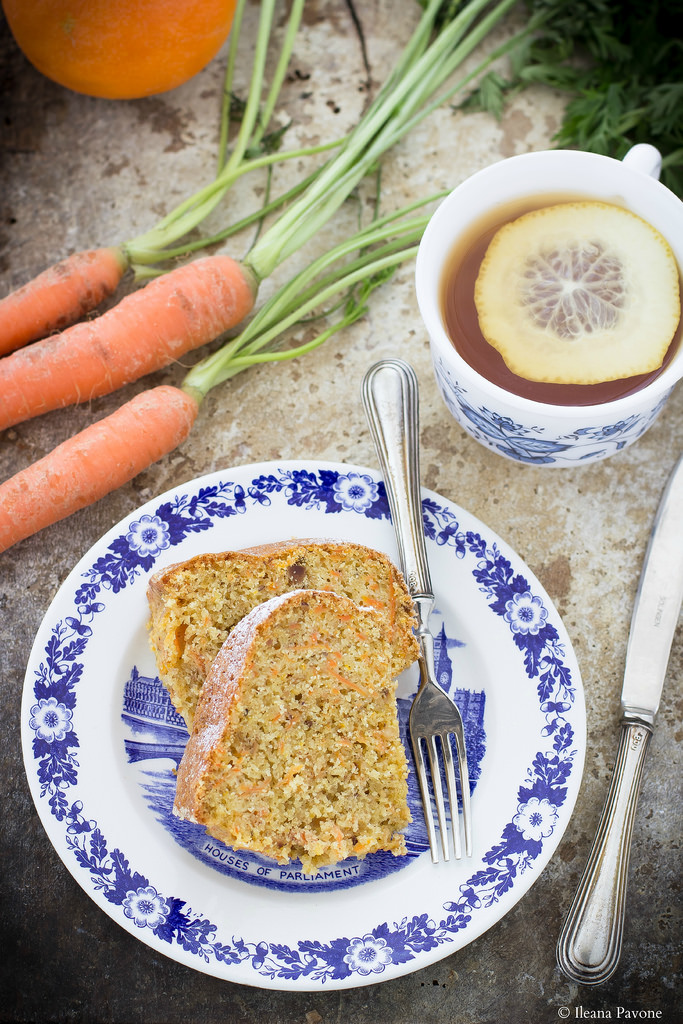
258,787
294,770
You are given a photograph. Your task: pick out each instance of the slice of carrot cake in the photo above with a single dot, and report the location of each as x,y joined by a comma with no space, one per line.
194,604
295,751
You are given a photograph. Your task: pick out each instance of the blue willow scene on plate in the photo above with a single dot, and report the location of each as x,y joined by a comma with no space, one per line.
155,736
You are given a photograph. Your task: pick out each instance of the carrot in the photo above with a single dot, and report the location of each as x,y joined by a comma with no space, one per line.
96,461
147,330
67,291
414,78
59,296
403,100
48,487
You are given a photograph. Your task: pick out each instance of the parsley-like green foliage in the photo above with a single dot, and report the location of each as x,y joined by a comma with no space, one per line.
620,63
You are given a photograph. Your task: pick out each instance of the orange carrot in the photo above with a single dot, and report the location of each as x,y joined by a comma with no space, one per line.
281,310
59,296
64,293
148,329
96,461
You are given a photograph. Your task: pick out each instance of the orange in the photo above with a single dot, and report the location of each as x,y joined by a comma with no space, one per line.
119,49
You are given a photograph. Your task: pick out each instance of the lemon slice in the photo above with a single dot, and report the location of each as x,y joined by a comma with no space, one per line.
579,293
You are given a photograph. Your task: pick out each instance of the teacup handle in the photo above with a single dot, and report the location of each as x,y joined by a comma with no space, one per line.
644,158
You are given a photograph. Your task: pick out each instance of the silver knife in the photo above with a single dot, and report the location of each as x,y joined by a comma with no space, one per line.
589,945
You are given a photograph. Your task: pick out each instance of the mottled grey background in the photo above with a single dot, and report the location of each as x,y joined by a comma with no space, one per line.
79,172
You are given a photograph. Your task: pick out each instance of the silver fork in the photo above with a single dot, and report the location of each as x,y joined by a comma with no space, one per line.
390,399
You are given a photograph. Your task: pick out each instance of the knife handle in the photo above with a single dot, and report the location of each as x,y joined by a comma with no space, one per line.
589,945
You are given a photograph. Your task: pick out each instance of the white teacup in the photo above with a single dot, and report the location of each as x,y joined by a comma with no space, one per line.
519,428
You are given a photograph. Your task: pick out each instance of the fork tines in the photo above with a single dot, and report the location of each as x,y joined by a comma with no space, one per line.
423,735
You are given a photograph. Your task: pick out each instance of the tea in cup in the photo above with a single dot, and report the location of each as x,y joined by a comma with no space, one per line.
598,379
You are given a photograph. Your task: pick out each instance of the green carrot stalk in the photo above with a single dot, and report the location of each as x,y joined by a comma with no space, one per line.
153,246
187,215
376,250
143,270
111,451
400,104
233,49
384,123
66,292
353,269
50,372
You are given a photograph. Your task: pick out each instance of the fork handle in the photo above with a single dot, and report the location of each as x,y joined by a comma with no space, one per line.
589,945
390,399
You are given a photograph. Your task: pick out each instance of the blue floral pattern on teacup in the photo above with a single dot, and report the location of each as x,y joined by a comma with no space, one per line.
533,444
169,918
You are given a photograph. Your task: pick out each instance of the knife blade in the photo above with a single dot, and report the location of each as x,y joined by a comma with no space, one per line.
657,606
589,945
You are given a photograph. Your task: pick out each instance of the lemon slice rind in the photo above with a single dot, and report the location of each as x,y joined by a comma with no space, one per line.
579,293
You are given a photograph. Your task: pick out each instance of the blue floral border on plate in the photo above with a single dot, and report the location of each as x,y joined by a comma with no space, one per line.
55,742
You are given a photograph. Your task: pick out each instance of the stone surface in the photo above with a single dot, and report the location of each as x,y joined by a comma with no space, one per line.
79,172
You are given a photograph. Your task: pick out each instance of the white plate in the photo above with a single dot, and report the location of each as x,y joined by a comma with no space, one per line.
100,745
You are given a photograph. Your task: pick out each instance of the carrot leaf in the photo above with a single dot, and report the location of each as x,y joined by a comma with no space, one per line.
252,144
344,275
